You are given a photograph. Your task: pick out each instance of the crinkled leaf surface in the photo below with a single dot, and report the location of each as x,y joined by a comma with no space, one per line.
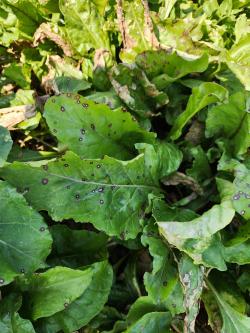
24,237
203,95
54,290
5,144
75,248
191,277
111,194
93,130
82,16
85,307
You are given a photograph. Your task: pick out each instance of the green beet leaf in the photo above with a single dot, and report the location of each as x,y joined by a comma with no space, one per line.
94,130
111,194
163,68
10,320
203,95
199,238
5,144
231,121
162,284
233,321
54,290
75,248
151,323
85,307
24,237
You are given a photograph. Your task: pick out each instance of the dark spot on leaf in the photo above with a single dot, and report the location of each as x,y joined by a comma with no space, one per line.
45,167
91,162
1,281
108,134
54,130
77,196
98,166
114,132
123,120
109,125
101,202
82,130
92,126
113,187
66,165
84,179
26,189
85,105
66,305
101,189
165,283
45,181
80,139
22,270
124,110
62,108
42,229
92,174
138,177
93,191
68,187
242,212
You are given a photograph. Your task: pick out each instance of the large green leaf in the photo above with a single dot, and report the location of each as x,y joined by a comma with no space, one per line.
162,284
231,121
111,194
5,144
93,130
54,290
199,238
163,68
84,25
191,277
24,237
233,321
10,321
84,308
152,322
75,248
203,95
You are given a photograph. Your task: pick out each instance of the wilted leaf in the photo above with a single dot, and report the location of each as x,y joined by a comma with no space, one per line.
191,277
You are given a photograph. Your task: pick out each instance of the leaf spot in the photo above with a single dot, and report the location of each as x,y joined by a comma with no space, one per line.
101,202
1,281
62,108
77,196
42,229
92,126
45,181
